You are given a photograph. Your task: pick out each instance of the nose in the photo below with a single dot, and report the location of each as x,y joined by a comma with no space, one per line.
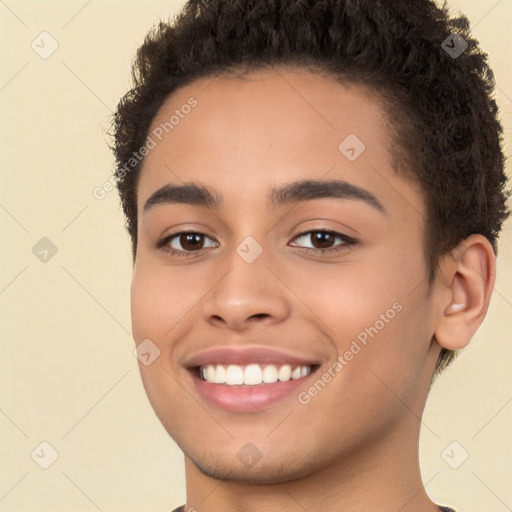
246,294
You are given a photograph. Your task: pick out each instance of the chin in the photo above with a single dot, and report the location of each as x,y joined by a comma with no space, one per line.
270,469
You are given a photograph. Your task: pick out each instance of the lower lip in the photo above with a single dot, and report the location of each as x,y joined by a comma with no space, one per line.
247,398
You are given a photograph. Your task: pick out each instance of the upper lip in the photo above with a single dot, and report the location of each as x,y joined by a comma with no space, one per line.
247,355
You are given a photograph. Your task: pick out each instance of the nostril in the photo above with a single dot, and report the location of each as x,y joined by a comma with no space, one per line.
259,315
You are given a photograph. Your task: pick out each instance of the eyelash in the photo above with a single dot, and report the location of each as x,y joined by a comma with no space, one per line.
348,241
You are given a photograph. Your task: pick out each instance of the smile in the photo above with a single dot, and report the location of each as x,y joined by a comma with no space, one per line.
252,387
252,374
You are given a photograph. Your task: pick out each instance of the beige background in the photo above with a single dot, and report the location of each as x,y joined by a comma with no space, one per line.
67,372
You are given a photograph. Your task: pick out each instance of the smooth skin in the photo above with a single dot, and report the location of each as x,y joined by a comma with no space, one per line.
354,446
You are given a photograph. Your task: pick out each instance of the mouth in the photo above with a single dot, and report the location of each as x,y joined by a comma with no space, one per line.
252,374
250,387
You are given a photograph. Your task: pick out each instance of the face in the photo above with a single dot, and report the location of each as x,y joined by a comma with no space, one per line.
327,275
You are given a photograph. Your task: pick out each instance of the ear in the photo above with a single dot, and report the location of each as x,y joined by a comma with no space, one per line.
466,279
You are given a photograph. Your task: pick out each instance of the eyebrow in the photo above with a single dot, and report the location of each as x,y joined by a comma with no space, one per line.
299,191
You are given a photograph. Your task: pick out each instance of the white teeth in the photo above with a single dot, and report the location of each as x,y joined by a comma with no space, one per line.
210,373
220,374
269,374
285,373
252,374
234,375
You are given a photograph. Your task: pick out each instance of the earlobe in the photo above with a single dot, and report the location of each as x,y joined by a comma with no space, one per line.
467,279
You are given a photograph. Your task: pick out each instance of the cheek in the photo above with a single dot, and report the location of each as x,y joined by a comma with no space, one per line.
392,341
158,303
145,303
346,299
159,298
378,317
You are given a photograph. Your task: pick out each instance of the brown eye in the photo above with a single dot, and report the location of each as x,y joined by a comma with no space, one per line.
185,243
189,241
323,242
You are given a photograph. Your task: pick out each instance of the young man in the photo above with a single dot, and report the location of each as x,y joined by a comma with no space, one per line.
314,191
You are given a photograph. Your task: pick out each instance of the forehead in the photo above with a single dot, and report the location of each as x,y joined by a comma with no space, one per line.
246,134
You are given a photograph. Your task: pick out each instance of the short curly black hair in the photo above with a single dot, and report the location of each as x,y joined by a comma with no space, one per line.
440,104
